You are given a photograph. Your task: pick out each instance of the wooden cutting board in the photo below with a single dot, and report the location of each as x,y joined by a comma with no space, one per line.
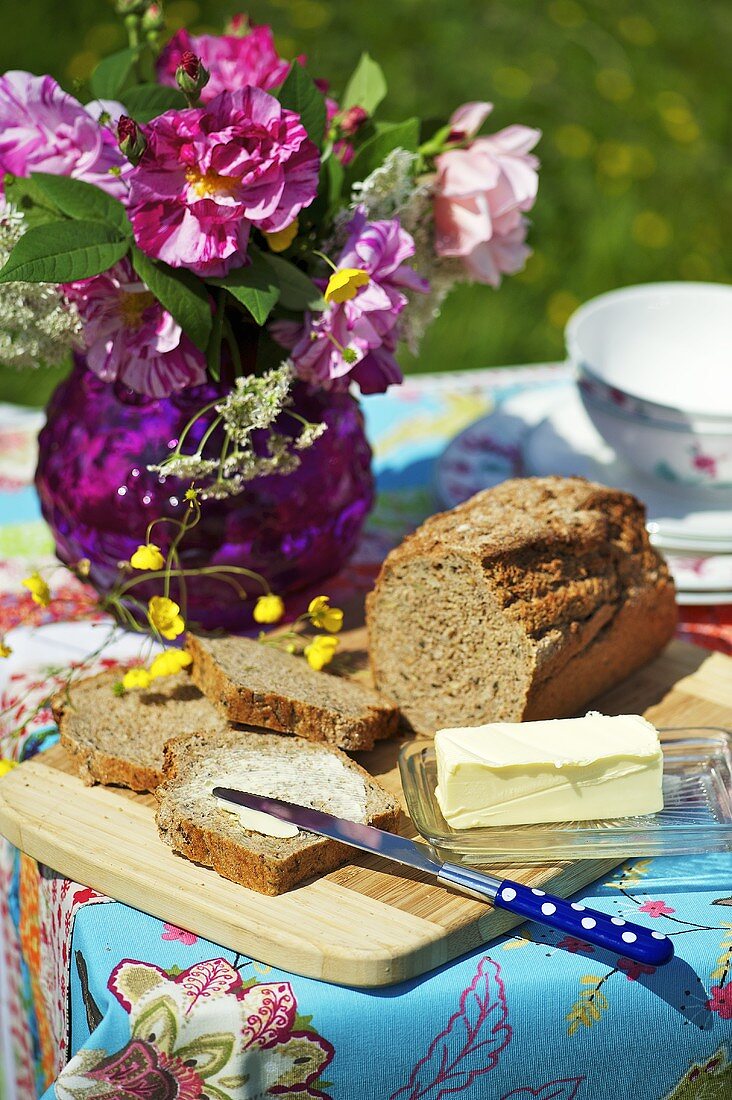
365,924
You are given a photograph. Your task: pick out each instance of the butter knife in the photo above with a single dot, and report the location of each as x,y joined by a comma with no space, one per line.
626,938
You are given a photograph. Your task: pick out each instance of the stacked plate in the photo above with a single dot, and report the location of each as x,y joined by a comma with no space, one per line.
547,431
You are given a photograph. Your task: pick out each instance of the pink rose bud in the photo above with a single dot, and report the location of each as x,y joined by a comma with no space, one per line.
131,139
191,76
239,25
153,20
131,7
352,120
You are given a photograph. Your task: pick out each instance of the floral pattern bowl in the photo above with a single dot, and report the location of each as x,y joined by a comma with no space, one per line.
670,452
654,370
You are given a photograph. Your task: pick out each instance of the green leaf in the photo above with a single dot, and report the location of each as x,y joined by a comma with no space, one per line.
299,93
78,199
297,290
63,251
398,135
111,74
367,86
27,197
256,287
180,292
147,101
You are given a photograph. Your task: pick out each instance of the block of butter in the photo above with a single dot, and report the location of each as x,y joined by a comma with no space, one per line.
568,769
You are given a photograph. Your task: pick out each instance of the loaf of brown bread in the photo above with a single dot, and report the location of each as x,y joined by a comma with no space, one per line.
198,826
264,686
119,739
523,603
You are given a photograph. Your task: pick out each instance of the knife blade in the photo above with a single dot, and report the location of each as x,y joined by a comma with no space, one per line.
625,938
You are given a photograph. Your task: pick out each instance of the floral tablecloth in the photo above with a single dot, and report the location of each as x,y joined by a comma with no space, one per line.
99,1000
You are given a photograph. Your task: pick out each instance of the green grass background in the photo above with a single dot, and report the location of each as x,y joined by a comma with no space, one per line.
632,96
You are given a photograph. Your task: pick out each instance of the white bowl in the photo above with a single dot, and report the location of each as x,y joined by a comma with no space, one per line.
665,347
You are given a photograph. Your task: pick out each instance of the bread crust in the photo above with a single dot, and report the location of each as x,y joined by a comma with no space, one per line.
565,562
274,711
235,862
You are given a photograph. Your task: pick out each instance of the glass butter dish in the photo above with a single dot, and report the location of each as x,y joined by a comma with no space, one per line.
696,818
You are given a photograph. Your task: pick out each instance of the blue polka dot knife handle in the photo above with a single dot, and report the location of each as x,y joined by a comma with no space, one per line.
613,933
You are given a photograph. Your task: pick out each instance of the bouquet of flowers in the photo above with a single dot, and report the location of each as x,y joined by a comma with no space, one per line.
218,230
213,185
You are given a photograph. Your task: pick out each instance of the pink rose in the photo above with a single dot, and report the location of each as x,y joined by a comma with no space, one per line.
234,60
482,193
130,338
209,173
44,129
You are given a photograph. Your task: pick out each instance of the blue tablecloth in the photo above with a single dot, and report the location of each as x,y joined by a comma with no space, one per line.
157,1013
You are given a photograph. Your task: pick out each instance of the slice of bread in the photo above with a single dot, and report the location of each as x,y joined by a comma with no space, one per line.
263,686
119,739
197,826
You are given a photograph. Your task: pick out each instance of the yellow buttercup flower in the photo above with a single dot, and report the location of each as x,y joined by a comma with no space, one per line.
39,590
169,662
136,678
5,649
321,651
345,284
268,609
324,616
283,238
7,766
147,557
191,495
165,617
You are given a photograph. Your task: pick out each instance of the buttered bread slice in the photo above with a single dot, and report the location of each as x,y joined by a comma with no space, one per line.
201,827
572,769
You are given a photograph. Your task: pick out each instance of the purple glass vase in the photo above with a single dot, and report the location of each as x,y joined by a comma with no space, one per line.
98,496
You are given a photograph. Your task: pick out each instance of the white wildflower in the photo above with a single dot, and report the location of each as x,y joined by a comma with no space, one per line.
392,191
38,327
256,401
308,435
254,404
389,186
189,467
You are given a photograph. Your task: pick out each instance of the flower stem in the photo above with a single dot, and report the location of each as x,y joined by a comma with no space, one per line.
213,352
201,412
233,346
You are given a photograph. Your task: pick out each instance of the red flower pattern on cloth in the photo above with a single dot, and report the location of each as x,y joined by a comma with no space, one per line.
633,970
171,932
655,908
573,945
721,1001
202,1032
136,1071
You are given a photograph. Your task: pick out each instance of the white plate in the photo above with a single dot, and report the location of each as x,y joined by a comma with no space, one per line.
698,599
